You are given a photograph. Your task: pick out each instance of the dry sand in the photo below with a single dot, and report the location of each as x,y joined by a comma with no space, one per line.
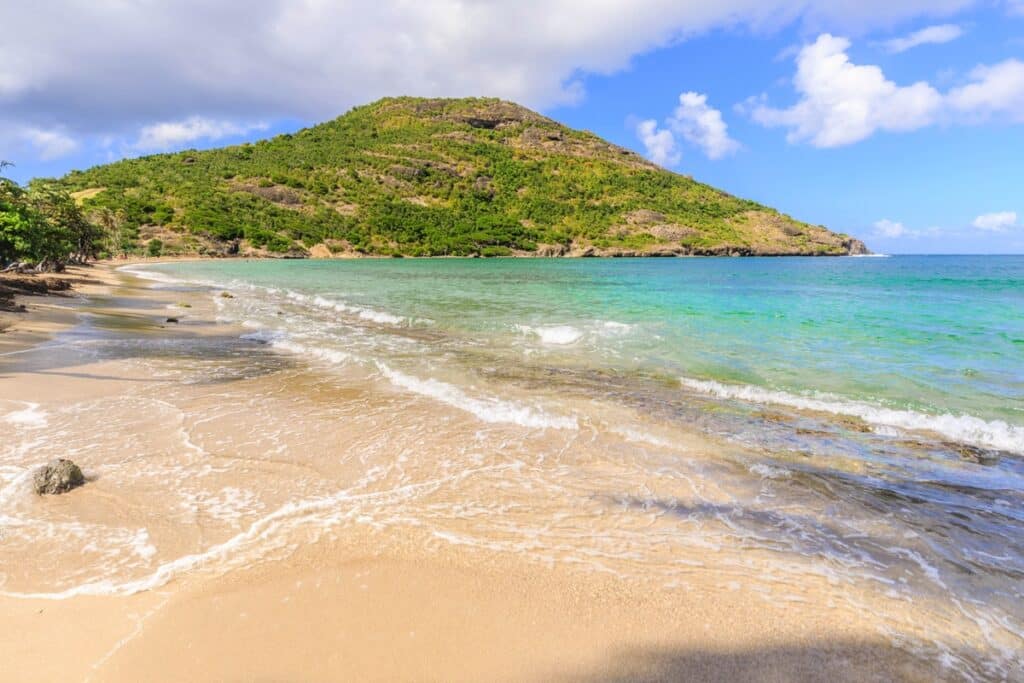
382,604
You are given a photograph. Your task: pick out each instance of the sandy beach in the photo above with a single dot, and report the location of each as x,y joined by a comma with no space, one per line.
286,529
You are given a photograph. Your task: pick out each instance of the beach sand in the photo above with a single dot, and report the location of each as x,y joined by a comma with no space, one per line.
372,600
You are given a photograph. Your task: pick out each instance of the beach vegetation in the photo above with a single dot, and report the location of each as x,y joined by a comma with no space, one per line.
428,177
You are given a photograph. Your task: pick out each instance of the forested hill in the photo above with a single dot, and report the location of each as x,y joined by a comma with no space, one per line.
428,177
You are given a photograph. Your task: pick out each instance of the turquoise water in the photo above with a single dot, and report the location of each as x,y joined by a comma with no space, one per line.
859,419
933,342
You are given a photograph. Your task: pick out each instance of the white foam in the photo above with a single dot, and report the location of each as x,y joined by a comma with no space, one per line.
488,409
263,535
333,356
29,417
141,545
560,335
358,311
152,275
769,472
963,428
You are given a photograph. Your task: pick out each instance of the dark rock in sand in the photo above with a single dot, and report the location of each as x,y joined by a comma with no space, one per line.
58,476
227,295
172,320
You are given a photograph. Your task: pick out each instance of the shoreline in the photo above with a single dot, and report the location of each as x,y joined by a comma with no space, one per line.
388,603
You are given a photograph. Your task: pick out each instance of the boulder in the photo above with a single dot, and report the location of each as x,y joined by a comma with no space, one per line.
172,320
58,476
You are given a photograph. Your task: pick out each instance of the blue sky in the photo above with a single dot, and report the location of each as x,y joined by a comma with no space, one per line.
901,125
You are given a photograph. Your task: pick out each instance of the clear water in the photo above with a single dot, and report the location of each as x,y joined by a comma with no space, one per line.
940,337
857,421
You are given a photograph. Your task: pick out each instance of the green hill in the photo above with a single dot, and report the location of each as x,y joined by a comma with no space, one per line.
431,177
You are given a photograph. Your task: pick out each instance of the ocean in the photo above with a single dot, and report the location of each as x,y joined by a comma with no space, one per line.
854,421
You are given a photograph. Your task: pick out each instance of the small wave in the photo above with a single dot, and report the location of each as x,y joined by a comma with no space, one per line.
359,311
333,356
561,335
151,275
488,409
962,428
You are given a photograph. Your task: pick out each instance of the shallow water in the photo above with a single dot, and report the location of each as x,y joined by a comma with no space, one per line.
856,422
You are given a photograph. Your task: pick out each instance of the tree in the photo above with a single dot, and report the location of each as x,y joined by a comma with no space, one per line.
75,237
43,224
112,223
21,227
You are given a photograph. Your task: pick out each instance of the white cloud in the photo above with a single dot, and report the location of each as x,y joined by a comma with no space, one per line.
931,35
997,89
50,144
45,144
172,134
842,103
888,228
112,67
996,222
702,125
660,144
696,122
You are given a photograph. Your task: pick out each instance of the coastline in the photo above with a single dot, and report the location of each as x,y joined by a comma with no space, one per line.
385,603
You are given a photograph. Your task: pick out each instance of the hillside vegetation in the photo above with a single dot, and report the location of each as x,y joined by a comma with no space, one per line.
432,177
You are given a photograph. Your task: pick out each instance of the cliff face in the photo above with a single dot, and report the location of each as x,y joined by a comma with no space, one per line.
423,177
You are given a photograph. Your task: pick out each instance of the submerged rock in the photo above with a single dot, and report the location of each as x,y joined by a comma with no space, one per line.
58,476
172,320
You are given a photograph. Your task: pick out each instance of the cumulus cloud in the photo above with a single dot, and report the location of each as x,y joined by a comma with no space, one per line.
842,102
696,122
113,67
999,221
931,35
171,134
888,228
659,143
995,90
702,125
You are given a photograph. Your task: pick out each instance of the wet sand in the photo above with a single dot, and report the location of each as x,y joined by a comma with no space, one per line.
369,601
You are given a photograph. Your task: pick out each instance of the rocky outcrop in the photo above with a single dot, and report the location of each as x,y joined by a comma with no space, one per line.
551,250
854,247
57,476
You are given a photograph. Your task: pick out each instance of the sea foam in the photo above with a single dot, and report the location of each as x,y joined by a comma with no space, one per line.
29,417
488,409
963,428
553,334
